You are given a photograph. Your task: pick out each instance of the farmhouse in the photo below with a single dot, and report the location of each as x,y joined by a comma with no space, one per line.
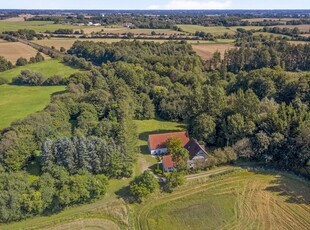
168,164
196,151
157,145
157,142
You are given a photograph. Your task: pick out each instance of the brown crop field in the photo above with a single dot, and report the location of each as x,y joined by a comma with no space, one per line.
14,50
120,30
205,51
303,28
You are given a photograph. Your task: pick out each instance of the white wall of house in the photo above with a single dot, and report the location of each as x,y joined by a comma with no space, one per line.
158,151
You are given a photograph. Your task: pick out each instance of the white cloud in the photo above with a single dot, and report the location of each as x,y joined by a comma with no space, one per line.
154,7
193,5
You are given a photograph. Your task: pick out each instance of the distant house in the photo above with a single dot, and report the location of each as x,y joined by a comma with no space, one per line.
168,164
196,151
128,24
157,142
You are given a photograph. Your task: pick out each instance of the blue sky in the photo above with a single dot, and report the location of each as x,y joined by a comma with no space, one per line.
155,4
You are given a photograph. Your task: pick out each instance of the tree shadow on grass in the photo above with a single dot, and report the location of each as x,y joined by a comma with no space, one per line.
124,193
295,189
58,93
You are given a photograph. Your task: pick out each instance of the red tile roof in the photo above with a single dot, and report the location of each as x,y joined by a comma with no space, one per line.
157,141
168,162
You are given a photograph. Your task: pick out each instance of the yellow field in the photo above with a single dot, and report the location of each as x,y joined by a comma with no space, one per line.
205,51
14,50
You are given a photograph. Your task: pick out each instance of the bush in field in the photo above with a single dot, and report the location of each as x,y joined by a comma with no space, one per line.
39,57
5,64
143,185
27,77
21,61
175,179
54,80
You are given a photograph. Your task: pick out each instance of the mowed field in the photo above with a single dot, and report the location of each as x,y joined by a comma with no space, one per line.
16,102
206,51
14,50
242,200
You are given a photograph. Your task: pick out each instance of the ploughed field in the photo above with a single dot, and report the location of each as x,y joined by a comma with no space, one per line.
242,200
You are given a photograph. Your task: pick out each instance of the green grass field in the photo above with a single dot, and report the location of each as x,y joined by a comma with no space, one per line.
16,102
48,68
38,26
216,30
242,200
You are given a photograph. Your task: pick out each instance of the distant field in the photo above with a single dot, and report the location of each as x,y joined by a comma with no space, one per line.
14,50
284,20
216,30
121,29
206,51
47,68
271,34
243,200
234,28
38,26
16,102
303,28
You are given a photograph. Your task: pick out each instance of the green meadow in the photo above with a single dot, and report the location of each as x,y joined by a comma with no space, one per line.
216,30
16,102
47,68
38,26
